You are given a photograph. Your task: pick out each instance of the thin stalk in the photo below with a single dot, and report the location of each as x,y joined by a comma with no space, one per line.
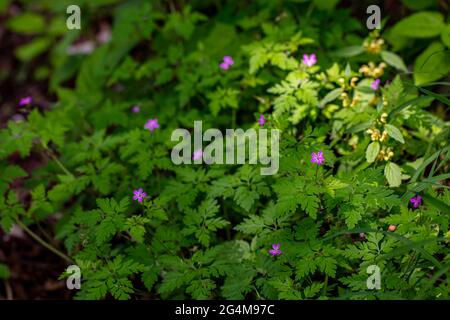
43,243
9,293
54,158
324,290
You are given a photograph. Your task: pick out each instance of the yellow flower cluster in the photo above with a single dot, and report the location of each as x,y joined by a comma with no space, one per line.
385,154
372,70
375,134
344,95
374,46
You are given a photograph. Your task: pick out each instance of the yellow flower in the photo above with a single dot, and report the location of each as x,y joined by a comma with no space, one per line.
372,70
375,134
375,46
384,136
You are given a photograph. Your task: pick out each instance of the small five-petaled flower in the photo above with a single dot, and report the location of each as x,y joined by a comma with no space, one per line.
310,60
261,120
416,201
136,109
275,249
139,195
317,157
152,124
375,84
227,63
25,101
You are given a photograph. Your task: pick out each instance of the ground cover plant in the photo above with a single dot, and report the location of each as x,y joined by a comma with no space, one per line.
361,188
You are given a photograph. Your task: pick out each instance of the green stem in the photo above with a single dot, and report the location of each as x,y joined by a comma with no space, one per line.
42,242
54,158
324,290
63,168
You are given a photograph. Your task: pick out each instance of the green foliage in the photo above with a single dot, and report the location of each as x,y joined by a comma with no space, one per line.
204,231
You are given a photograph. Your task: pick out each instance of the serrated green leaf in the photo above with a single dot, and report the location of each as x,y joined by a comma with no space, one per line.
392,173
373,149
394,132
394,60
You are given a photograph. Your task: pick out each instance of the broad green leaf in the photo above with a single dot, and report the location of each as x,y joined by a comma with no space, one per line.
392,173
348,52
33,49
372,151
393,60
420,25
432,64
445,35
30,23
394,132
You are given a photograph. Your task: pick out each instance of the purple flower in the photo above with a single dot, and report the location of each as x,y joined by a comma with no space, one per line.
139,195
317,158
310,60
224,66
375,84
152,124
261,120
275,249
416,201
25,101
227,62
197,154
136,109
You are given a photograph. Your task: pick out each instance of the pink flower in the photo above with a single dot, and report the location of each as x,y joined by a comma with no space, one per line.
25,101
224,66
85,47
139,195
275,249
152,124
317,158
227,62
310,60
261,120
197,155
392,228
375,84
136,109
416,201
